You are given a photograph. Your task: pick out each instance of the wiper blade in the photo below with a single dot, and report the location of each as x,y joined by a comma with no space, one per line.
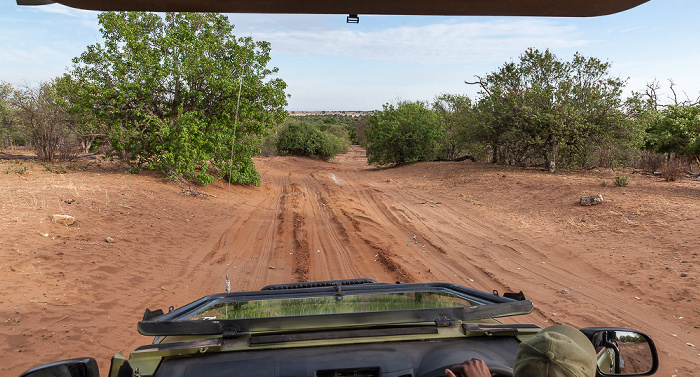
342,334
502,329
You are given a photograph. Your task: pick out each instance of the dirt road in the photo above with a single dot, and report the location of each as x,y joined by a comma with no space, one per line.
629,262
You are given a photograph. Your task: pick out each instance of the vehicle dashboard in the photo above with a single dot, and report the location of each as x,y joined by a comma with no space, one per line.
388,359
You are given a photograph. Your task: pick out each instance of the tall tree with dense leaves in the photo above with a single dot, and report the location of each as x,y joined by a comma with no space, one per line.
676,130
545,109
672,128
166,88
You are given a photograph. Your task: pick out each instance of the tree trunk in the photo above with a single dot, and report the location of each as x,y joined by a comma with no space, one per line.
550,159
550,165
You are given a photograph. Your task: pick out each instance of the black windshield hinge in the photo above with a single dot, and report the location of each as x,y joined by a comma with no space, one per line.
445,322
229,333
338,292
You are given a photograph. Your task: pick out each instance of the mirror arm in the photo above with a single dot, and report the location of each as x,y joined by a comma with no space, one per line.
616,349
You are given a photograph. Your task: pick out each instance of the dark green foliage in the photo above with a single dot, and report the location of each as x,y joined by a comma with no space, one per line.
675,129
407,132
553,112
359,131
305,139
165,91
324,121
621,181
458,115
340,132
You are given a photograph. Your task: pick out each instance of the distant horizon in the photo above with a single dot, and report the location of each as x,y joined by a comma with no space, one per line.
330,65
329,112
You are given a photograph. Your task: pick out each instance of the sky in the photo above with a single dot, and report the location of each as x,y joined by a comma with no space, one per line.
331,65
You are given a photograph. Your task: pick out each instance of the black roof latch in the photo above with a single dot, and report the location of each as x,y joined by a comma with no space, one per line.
353,19
520,296
148,315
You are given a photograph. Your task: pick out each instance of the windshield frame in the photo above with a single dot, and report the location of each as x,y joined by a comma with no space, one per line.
483,305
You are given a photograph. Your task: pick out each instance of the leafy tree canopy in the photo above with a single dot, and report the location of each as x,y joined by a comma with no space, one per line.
543,108
456,113
676,129
407,132
166,90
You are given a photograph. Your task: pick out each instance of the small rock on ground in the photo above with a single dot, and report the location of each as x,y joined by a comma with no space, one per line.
591,200
63,219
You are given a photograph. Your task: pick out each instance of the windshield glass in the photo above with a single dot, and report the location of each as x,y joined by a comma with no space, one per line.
361,303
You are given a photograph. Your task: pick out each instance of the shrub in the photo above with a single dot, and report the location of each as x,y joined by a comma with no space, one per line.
16,167
673,169
621,181
304,139
19,141
408,132
650,161
268,147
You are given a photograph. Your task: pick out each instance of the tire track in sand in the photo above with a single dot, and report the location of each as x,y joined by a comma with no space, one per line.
344,253
301,239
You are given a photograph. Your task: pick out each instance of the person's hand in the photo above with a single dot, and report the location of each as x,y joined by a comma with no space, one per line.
469,368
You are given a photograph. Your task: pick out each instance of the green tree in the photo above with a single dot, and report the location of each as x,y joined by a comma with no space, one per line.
85,123
457,116
7,122
407,132
676,130
548,110
166,89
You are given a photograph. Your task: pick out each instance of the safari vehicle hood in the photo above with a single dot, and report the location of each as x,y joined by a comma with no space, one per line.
355,327
336,313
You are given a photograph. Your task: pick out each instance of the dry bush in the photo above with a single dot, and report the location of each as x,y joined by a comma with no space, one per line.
609,156
69,147
268,146
188,188
45,121
650,161
673,169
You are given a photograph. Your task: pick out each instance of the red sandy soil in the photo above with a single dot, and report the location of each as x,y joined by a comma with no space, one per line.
631,261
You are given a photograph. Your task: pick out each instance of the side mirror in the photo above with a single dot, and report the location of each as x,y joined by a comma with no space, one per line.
85,367
623,352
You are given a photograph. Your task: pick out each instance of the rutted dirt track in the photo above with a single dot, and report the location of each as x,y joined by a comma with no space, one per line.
630,262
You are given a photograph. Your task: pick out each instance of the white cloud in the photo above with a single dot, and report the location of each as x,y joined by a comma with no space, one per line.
444,43
61,9
84,18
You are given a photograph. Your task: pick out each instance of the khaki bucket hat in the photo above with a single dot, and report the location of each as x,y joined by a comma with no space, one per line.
557,351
